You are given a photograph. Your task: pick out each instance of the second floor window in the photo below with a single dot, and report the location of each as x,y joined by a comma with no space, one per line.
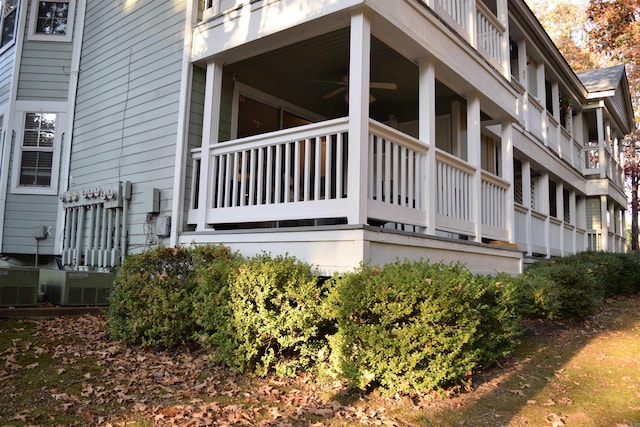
51,20
9,20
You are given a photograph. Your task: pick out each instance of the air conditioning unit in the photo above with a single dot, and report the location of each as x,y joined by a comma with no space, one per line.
18,287
67,287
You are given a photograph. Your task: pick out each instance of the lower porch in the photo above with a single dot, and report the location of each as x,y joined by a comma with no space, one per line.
342,248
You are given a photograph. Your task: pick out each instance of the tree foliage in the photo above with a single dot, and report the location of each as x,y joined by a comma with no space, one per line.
614,32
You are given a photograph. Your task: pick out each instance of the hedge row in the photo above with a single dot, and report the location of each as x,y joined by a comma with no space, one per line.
403,327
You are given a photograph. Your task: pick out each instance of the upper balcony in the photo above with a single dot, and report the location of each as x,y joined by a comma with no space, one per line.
482,23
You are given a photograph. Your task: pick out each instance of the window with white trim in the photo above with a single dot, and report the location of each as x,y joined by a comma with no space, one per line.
51,20
37,149
9,21
38,134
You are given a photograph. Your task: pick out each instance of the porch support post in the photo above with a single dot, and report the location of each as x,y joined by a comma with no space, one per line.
555,102
359,63
573,221
507,174
604,225
210,127
427,134
560,214
474,158
581,219
526,201
544,208
602,159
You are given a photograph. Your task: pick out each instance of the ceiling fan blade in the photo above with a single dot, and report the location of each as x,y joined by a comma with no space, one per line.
333,82
334,92
383,85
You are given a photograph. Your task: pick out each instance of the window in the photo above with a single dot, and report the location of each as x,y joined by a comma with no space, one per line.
36,163
37,143
9,20
51,20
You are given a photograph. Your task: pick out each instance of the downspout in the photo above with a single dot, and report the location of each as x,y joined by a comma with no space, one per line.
65,161
9,134
177,206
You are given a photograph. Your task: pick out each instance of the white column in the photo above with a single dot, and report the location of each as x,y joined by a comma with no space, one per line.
507,174
601,143
604,224
427,134
560,213
572,219
526,201
474,158
359,63
543,192
210,128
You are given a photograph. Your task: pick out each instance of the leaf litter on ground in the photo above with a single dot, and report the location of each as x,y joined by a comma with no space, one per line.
66,371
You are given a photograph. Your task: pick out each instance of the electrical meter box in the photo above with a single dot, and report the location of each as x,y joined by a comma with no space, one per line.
18,287
70,287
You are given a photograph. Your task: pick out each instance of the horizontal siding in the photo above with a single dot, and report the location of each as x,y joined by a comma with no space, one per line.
22,213
196,115
7,61
126,116
44,69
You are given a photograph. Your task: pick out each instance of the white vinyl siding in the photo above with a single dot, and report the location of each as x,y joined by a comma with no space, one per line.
126,117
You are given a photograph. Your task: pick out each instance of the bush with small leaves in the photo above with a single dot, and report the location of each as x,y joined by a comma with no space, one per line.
574,285
214,267
151,302
273,318
415,326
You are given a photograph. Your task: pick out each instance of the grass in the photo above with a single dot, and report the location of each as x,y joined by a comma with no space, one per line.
65,372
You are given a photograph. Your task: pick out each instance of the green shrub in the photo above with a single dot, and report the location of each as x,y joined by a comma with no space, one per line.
214,267
153,299
415,326
537,296
574,286
273,318
150,303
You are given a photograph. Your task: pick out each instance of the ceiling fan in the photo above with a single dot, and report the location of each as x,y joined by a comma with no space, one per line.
344,86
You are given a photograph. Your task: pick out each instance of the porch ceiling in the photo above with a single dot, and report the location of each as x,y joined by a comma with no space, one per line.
302,72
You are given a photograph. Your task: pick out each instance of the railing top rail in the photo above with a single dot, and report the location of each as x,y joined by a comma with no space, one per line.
395,135
487,13
538,215
291,134
451,160
494,179
520,208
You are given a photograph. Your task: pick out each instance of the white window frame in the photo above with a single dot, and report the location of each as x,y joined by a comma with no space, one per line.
33,16
3,15
22,109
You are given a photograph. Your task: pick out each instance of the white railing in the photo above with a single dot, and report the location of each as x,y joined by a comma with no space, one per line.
578,155
591,158
520,224
453,193
297,173
490,33
538,233
567,239
565,146
555,236
552,133
594,240
396,174
457,12
494,206
534,114
580,240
